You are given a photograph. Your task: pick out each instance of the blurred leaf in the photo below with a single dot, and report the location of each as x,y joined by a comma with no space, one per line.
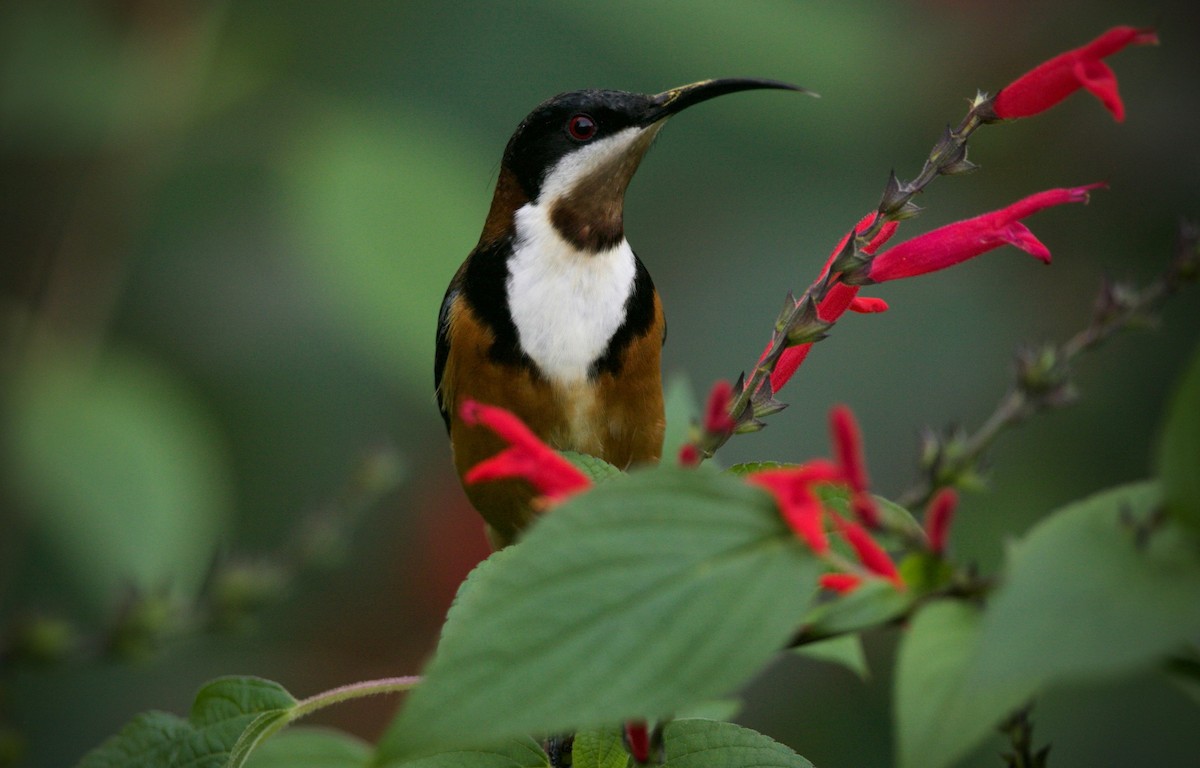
843,650
385,206
312,748
681,407
223,709
717,709
750,467
1179,451
121,468
634,599
873,603
600,749
1086,594
938,716
714,744
1096,589
597,470
522,752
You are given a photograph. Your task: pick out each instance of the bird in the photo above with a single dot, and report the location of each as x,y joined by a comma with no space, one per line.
552,316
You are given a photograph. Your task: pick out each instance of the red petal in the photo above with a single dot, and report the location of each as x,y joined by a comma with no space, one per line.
870,554
527,457
963,240
1052,81
938,517
847,446
867,305
716,415
839,582
798,505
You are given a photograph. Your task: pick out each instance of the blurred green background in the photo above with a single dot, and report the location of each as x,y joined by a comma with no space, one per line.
226,231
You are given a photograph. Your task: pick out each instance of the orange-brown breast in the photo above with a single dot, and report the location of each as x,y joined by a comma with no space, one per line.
617,418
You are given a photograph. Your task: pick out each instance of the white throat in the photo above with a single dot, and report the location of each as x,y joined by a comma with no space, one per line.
566,303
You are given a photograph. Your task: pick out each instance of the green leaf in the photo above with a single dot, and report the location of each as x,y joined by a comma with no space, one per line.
223,709
602,748
597,470
1087,594
122,468
1098,588
843,650
632,600
521,752
939,717
716,709
750,467
1179,451
714,744
308,747
873,604
681,409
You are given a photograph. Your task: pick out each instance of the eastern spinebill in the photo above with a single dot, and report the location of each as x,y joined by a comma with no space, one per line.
552,316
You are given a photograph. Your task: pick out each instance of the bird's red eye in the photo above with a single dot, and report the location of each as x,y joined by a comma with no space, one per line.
581,127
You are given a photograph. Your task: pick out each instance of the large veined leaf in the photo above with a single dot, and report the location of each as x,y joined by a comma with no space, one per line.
223,709
1179,451
635,599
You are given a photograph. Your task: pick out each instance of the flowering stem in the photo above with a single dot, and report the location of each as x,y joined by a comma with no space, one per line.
1043,379
947,156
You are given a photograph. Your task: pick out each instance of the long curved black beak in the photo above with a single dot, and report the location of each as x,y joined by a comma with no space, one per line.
668,103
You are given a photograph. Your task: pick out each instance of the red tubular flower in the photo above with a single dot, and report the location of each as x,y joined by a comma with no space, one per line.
797,501
1052,81
841,297
527,457
938,517
839,582
870,554
716,415
637,738
962,240
689,455
847,447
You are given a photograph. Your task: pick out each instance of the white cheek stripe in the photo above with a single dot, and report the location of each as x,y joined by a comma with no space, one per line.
566,303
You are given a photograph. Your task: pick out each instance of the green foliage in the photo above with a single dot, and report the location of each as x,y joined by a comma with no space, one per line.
602,748
938,716
874,603
312,748
629,568
597,470
1098,588
518,752
223,709
713,744
843,650
1179,451
1092,592
121,467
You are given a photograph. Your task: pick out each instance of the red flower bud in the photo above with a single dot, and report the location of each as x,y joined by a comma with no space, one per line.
1052,81
798,503
938,517
716,415
527,457
839,582
637,738
870,554
847,447
962,240
689,455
